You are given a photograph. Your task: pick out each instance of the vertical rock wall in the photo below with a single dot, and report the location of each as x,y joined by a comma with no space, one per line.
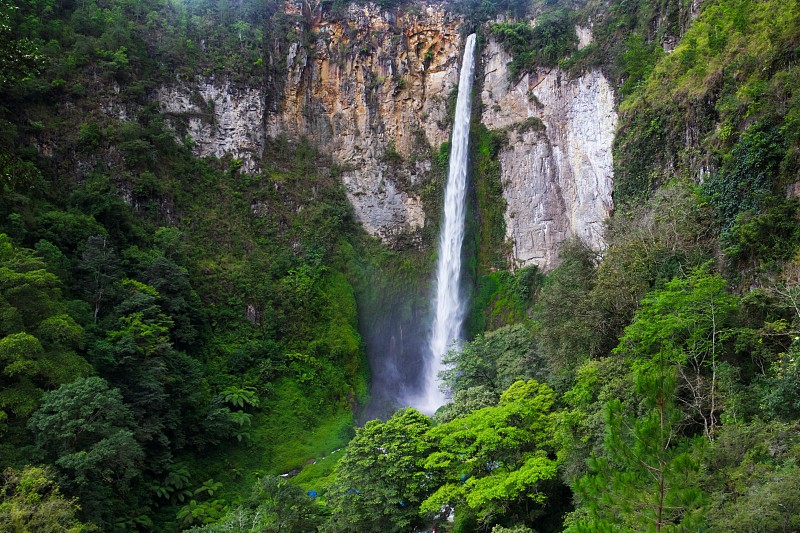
375,80
556,169
373,85
220,119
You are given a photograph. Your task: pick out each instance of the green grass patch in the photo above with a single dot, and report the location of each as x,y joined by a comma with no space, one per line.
294,429
288,437
319,476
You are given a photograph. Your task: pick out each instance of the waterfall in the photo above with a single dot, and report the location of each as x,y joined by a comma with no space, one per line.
449,304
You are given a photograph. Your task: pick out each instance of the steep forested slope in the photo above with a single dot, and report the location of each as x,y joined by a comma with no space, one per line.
176,331
202,312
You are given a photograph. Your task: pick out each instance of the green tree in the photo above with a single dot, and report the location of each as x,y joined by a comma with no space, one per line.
100,266
667,236
177,298
550,40
580,430
28,292
161,385
465,401
285,507
67,230
31,501
779,387
638,61
380,481
497,460
752,475
86,430
38,340
564,311
513,529
687,322
492,360
19,57
647,477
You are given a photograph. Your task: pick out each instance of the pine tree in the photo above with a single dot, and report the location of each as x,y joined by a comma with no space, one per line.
647,480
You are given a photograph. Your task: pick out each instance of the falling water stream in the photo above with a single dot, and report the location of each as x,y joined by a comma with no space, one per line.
449,304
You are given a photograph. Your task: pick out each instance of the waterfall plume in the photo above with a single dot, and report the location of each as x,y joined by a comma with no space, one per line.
449,305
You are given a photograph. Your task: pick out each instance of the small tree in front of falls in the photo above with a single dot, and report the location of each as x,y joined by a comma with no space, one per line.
493,360
497,461
380,481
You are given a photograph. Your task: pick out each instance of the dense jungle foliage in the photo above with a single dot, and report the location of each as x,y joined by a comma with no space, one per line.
176,332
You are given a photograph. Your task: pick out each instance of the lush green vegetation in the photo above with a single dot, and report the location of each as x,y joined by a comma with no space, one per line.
674,343
733,74
164,352
32,501
550,40
627,37
493,252
176,334
476,12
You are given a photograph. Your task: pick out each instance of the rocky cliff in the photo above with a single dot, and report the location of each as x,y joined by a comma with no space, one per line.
556,167
220,119
371,86
375,85
370,89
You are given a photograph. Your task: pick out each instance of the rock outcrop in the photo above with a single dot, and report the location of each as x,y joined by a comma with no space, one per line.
375,81
219,118
372,86
556,167
372,89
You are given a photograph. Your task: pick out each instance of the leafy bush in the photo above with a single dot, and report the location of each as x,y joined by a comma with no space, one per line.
768,236
545,44
30,500
748,175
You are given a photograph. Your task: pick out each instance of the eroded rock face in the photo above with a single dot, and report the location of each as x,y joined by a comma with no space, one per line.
375,80
556,169
373,88
221,119
374,83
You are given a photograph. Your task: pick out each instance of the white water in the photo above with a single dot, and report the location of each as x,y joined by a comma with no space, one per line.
449,303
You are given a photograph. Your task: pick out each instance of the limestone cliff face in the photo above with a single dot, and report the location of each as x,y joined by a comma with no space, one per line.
375,79
557,167
373,85
221,119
